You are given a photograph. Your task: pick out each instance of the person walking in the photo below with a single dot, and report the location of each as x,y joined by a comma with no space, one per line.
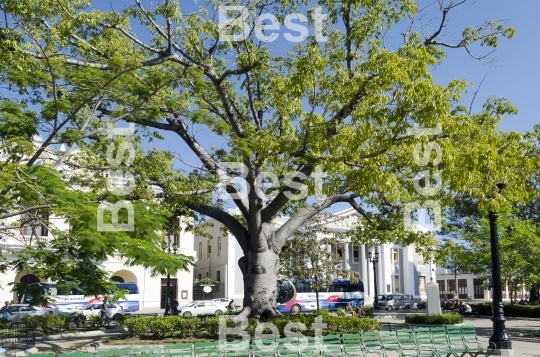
174,308
231,306
4,312
104,310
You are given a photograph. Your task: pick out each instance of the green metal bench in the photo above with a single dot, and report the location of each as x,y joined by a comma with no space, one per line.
178,350
114,352
389,326
207,349
352,345
371,344
146,351
473,344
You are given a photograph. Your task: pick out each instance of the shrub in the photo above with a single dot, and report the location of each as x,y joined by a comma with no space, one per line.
137,326
120,319
4,322
48,323
95,320
369,310
350,324
187,326
322,312
532,311
79,319
162,326
434,319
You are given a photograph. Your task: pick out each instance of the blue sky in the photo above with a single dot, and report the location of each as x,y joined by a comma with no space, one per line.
515,73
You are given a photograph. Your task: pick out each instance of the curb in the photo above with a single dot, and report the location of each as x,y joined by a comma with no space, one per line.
62,336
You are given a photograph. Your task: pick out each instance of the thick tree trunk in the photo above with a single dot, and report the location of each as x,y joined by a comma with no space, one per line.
260,275
260,266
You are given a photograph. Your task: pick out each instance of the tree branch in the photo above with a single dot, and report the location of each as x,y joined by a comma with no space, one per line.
286,193
237,229
26,210
306,213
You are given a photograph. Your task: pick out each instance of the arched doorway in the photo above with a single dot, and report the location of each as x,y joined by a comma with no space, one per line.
124,276
29,279
26,279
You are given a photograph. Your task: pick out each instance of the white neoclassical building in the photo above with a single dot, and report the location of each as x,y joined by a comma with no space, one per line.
152,290
400,268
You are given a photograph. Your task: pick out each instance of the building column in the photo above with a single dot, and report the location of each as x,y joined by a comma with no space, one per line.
345,256
408,275
382,268
363,268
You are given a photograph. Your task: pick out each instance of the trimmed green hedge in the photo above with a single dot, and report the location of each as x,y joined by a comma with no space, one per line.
48,323
510,310
434,319
208,326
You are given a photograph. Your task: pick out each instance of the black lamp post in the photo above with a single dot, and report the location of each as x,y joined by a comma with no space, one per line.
166,248
500,337
375,260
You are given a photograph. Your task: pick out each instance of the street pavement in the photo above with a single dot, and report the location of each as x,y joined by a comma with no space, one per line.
516,327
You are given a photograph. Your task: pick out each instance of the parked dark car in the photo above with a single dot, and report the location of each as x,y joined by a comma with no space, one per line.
421,305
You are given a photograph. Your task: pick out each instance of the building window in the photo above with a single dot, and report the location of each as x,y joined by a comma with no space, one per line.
199,277
200,250
209,248
207,274
176,240
396,283
219,246
462,288
356,254
35,229
388,288
442,292
422,284
218,275
395,256
451,287
420,259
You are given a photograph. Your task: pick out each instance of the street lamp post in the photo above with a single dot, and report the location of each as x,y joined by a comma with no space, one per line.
500,337
166,248
375,260
456,291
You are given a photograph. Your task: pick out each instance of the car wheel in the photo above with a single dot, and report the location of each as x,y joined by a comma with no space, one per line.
187,313
407,306
390,308
117,316
218,312
295,309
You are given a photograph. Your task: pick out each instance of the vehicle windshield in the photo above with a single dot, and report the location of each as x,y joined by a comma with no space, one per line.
191,304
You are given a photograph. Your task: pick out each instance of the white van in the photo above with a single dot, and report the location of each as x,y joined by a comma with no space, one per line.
397,301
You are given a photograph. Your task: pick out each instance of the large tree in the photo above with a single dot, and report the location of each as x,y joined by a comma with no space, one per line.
349,107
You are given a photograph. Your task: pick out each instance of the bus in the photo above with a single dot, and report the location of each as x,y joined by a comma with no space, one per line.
296,296
75,299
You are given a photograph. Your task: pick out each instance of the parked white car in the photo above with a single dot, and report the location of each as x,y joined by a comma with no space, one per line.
222,302
200,308
18,311
115,311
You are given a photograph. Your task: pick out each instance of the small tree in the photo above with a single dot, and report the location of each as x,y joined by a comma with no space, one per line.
307,258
